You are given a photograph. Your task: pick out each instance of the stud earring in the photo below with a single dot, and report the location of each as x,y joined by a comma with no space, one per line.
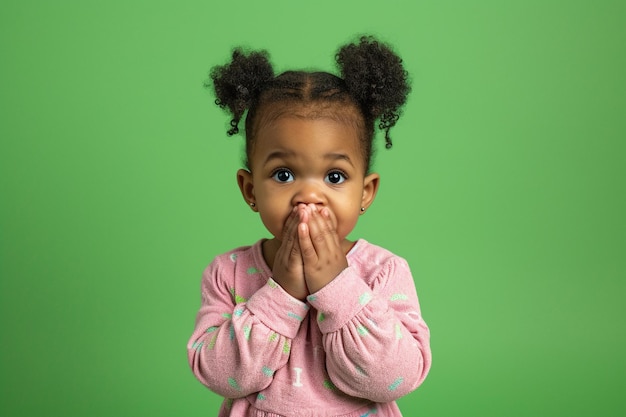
362,209
253,205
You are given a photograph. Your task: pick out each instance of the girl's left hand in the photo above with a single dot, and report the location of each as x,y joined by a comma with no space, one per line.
320,247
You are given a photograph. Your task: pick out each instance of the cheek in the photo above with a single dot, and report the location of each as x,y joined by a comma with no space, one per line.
347,218
272,223
273,216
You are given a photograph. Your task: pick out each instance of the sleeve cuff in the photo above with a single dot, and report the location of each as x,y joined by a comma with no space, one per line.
278,310
340,300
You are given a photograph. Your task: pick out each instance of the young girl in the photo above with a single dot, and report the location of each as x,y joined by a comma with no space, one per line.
309,323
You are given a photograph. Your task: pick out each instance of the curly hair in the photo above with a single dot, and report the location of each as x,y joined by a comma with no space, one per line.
373,86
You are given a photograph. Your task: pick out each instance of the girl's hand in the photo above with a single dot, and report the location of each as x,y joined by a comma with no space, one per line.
320,247
288,270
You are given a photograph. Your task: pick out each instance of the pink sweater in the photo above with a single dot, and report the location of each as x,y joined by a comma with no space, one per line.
351,350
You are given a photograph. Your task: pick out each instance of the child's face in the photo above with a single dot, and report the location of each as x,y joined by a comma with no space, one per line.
311,161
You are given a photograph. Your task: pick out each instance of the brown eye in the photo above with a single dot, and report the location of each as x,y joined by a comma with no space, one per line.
335,177
282,175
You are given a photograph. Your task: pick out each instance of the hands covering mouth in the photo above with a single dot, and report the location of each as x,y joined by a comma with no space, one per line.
310,254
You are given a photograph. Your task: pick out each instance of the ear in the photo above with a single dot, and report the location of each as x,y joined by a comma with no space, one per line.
370,188
244,180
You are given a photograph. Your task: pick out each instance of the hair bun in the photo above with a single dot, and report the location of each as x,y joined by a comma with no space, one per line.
375,77
238,83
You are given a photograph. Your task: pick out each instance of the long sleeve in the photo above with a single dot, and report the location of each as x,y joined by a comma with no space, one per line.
377,345
238,343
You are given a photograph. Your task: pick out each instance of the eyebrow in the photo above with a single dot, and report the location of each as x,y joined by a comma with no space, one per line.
338,157
278,155
333,156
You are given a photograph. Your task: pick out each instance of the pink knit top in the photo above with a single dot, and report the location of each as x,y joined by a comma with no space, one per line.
350,350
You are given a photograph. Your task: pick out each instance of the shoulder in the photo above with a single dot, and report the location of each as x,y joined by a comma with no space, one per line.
366,252
374,262
246,260
231,256
239,254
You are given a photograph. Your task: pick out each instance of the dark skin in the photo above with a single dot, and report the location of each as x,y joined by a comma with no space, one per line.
310,249
308,183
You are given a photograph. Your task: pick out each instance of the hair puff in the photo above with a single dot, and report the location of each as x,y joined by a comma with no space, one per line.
375,77
238,83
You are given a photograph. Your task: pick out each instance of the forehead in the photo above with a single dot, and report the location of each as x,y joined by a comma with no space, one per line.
283,114
341,111
307,139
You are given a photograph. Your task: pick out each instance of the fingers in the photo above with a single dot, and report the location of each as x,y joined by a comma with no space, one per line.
288,248
331,220
322,230
317,235
309,233
307,250
288,260
288,265
320,247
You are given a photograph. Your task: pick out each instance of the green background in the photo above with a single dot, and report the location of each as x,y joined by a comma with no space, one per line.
504,191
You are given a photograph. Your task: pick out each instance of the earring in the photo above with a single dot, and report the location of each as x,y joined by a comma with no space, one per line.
253,205
362,209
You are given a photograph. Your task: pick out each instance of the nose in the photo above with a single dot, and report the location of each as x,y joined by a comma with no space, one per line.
309,192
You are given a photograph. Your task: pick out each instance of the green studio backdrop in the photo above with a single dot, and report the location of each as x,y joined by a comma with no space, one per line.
504,191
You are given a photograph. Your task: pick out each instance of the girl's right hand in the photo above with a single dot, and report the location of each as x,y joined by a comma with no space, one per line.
288,269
